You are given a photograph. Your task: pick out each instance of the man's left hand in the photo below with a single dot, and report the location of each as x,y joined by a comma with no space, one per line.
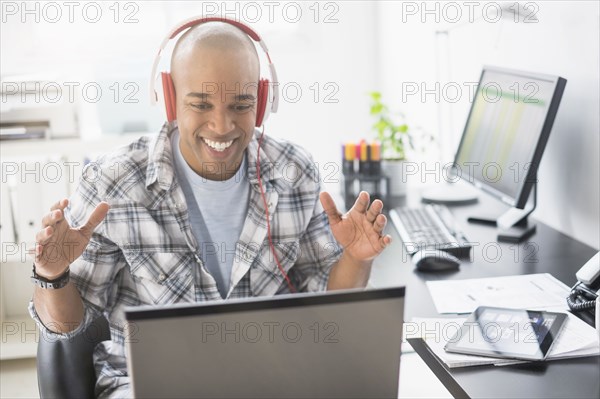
360,230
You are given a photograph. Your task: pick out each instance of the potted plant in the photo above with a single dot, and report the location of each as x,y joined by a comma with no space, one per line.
395,137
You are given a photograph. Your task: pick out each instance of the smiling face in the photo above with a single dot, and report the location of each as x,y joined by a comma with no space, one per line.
215,80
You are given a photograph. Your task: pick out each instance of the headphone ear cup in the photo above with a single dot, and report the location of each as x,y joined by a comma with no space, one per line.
262,101
169,94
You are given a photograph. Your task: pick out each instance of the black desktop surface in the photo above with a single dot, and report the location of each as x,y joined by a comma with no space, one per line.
570,378
547,251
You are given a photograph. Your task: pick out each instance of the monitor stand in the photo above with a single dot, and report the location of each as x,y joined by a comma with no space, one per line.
513,224
449,194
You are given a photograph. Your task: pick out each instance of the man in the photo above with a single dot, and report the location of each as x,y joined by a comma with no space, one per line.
183,218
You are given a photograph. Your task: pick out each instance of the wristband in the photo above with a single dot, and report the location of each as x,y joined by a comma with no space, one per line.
45,283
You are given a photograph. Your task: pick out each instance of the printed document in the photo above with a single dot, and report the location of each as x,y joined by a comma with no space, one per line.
530,291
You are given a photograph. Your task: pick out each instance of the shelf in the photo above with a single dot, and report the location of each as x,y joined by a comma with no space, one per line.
66,146
20,336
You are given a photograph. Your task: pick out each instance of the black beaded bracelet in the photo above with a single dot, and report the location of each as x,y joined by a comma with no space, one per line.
55,284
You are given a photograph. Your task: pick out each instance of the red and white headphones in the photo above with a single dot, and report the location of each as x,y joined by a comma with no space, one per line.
268,90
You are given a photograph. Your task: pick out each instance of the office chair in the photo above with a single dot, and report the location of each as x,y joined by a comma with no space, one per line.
65,367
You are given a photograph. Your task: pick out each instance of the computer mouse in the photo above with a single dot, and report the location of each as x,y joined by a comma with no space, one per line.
435,260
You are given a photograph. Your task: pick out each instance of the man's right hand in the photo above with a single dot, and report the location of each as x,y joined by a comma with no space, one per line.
58,244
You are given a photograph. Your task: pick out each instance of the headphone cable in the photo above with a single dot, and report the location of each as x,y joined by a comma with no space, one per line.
262,193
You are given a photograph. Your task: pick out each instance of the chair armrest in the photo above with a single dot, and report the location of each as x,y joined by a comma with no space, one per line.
65,368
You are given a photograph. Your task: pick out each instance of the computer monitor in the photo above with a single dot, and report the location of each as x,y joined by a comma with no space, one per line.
507,129
506,132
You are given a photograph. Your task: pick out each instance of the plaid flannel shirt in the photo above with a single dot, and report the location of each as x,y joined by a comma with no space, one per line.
144,252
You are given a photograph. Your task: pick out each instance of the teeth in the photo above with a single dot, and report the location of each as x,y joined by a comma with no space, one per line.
219,146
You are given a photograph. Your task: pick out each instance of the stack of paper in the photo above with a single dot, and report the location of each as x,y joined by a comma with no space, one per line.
577,339
529,291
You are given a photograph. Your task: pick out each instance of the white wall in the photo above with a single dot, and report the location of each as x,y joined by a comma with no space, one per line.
564,41
342,55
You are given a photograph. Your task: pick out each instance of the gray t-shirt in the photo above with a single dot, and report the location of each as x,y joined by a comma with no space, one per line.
217,211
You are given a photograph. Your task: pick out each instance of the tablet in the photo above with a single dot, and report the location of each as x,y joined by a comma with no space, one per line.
507,333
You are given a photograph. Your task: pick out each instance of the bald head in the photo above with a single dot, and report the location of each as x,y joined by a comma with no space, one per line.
212,38
215,70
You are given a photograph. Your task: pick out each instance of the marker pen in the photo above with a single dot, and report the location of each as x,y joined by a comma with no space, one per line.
349,154
364,166
375,159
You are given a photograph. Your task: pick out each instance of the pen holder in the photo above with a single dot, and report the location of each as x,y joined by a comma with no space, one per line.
378,187
361,168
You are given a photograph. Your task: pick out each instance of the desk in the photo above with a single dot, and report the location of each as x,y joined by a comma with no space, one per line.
546,251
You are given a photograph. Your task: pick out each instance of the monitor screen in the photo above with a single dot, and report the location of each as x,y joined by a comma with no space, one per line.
510,119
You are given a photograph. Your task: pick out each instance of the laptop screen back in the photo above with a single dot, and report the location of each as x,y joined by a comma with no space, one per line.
334,344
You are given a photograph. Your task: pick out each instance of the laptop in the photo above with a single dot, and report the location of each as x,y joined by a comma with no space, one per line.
343,344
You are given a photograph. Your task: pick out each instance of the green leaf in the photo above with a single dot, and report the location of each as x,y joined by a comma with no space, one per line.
376,108
393,137
380,125
375,95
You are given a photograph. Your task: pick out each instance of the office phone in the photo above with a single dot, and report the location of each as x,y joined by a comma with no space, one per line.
586,290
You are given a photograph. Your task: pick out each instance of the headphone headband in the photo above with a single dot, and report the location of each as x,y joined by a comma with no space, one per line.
274,100
197,21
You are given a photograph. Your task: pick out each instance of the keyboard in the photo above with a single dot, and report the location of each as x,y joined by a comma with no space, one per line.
430,227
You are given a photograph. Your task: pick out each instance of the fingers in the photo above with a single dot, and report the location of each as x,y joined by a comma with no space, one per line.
49,228
44,235
329,207
362,202
39,249
386,240
62,204
52,218
96,217
36,252
379,224
374,210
